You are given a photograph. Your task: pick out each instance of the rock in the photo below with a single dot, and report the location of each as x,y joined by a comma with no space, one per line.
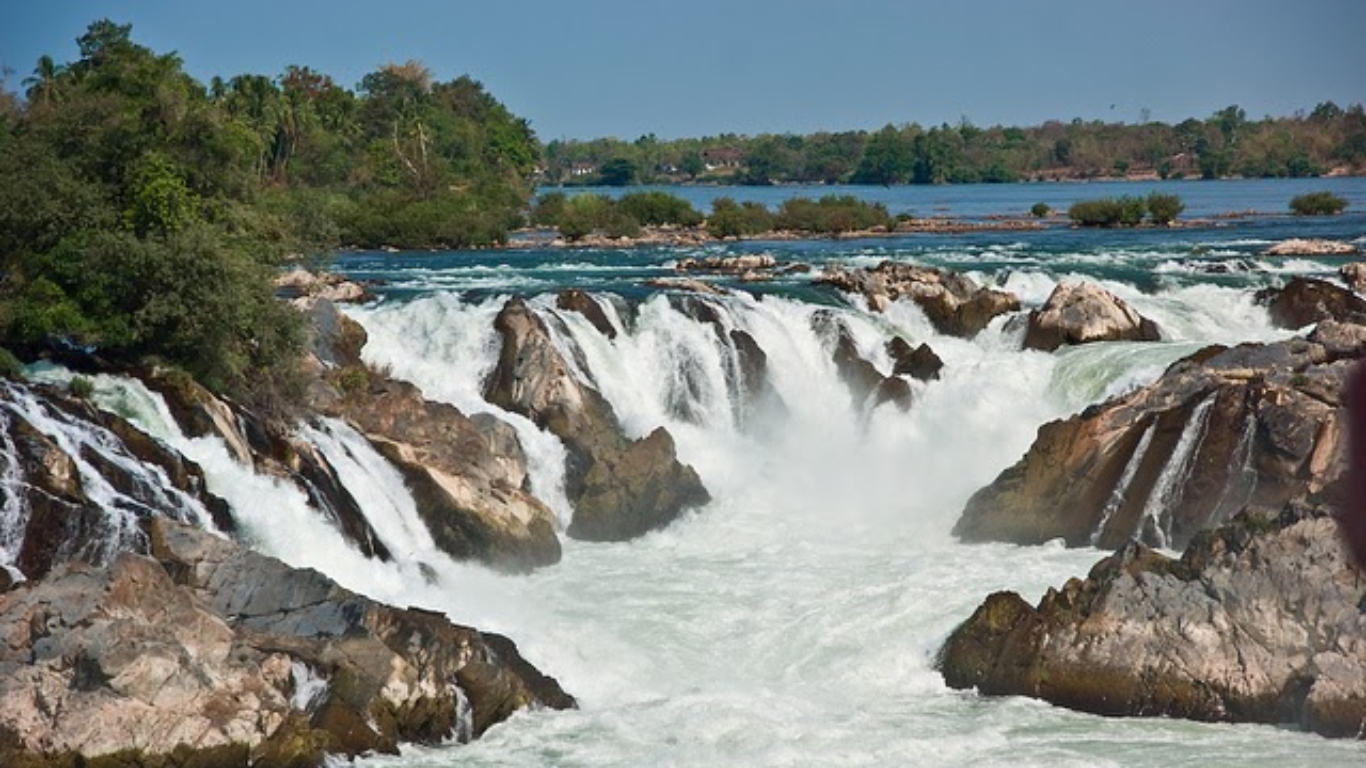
748,262
575,300
1354,275
867,385
468,477
620,488
753,395
954,303
272,447
1310,247
1304,301
920,363
306,288
200,654
1259,621
686,284
75,496
334,339
1224,428
1083,313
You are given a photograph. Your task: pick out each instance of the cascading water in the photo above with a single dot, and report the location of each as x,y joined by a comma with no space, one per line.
1170,484
144,489
793,621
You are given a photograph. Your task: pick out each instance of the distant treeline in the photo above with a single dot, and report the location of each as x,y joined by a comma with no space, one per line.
1226,144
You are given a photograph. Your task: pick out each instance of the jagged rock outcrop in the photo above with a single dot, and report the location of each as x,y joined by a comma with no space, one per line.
919,363
954,303
1354,275
687,284
468,476
756,401
1304,301
575,300
1260,621
1080,313
620,488
1255,424
205,653
77,479
1310,247
867,385
270,448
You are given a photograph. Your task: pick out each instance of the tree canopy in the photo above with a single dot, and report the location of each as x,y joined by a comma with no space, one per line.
145,214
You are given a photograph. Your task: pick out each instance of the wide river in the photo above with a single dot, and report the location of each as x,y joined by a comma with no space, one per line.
794,621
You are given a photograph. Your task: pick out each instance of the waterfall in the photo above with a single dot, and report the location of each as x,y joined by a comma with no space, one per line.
14,511
1170,485
1121,489
142,490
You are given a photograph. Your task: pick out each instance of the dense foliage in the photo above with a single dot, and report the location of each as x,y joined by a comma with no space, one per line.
1159,209
1225,144
143,214
1317,204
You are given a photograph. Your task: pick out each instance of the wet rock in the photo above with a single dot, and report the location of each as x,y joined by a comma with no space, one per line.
620,488
1354,275
1255,424
748,262
1310,247
919,363
1259,621
1304,301
305,287
686,284
867,385
468,477
954,303
199,655
575,300
1083,313
73,498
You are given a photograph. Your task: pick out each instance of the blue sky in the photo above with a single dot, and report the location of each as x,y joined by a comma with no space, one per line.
590,68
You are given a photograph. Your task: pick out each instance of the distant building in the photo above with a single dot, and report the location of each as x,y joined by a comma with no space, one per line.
582,169
716,158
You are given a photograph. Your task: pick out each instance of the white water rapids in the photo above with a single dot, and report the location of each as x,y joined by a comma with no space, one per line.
794,620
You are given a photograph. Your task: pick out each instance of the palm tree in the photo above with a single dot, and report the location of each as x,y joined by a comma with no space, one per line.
42,84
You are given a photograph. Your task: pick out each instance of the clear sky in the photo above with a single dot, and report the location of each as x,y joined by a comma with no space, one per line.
589,68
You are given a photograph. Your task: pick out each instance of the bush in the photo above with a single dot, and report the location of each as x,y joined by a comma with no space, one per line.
80,387
1040,210
1163,209
1317,204
1109,212
832,214
659,208
10,366
548,209
731,219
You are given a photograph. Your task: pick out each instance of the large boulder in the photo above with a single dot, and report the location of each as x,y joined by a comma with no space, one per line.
1354,275
1080,313
79,478
205,653
1255,424
1310,247
1260,621
1304,301
954,303
620,488
468,476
